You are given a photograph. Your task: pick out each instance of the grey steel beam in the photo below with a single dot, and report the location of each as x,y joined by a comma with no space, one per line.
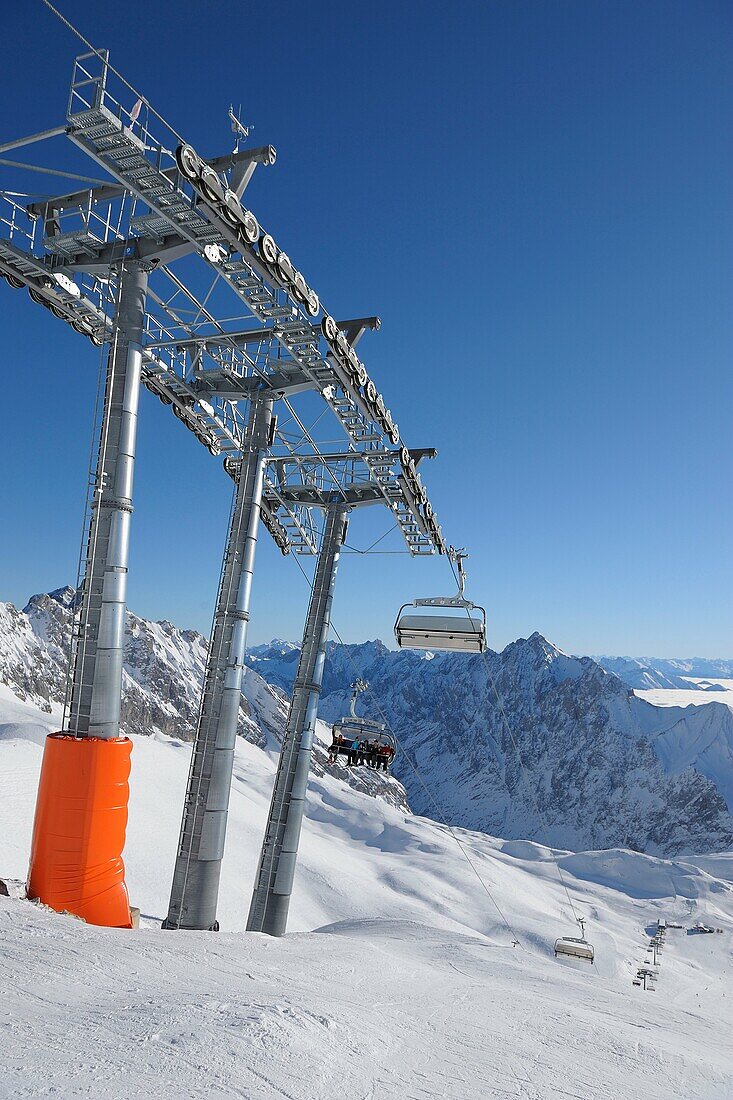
229,387
274,882
195,887
33,138
355,328
257,335
321,457
143,249
363,493
97,678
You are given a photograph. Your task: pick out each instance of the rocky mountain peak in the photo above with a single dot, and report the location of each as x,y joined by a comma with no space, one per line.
65,597
532,743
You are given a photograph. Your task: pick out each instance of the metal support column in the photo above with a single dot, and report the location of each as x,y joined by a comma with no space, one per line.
195,889
274,882
96,686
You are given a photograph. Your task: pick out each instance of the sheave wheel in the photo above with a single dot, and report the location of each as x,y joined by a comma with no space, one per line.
330,329
250,227
268,249
212,186
189,162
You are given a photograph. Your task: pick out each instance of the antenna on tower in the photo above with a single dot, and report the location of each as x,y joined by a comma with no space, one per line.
240,131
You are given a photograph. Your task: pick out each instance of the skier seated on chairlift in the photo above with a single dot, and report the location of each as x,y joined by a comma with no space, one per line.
336,745
384,757
372,753
378,756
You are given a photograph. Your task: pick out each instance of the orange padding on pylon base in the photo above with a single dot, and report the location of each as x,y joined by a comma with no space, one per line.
79,829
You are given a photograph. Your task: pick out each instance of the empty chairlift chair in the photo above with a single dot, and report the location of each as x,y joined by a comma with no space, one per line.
575,947
461,625
361,740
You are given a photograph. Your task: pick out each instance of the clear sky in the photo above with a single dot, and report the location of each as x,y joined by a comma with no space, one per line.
534,197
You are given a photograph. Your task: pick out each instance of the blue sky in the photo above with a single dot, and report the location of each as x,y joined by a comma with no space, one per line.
534,198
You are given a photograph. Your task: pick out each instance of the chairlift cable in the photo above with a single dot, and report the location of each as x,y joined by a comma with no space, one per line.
523,767
416,770
356,550
100,55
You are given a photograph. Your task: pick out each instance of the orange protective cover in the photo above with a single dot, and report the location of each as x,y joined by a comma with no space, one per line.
79,829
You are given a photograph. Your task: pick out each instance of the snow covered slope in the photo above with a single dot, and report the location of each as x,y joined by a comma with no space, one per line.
410,987
533,743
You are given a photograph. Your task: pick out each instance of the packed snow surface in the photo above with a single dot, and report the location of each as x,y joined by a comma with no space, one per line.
399,978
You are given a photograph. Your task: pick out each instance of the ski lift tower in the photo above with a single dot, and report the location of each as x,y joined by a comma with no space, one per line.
104,260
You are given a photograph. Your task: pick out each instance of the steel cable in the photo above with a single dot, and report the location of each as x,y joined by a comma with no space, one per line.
523,767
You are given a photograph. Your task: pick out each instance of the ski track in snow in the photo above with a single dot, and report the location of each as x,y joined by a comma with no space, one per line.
409,987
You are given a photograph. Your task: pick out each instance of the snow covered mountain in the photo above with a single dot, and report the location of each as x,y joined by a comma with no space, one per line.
162,677
645,673
528,743
531,743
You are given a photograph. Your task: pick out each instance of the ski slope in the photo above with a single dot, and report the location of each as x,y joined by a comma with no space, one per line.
399,978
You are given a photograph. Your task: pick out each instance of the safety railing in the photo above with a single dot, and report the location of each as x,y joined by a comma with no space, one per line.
16,225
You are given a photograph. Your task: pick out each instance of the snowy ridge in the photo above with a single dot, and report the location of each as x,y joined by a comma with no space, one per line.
566,755
647,673
599,767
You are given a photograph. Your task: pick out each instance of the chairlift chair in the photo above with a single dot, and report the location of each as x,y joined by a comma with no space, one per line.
458,631
575,947
354,728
